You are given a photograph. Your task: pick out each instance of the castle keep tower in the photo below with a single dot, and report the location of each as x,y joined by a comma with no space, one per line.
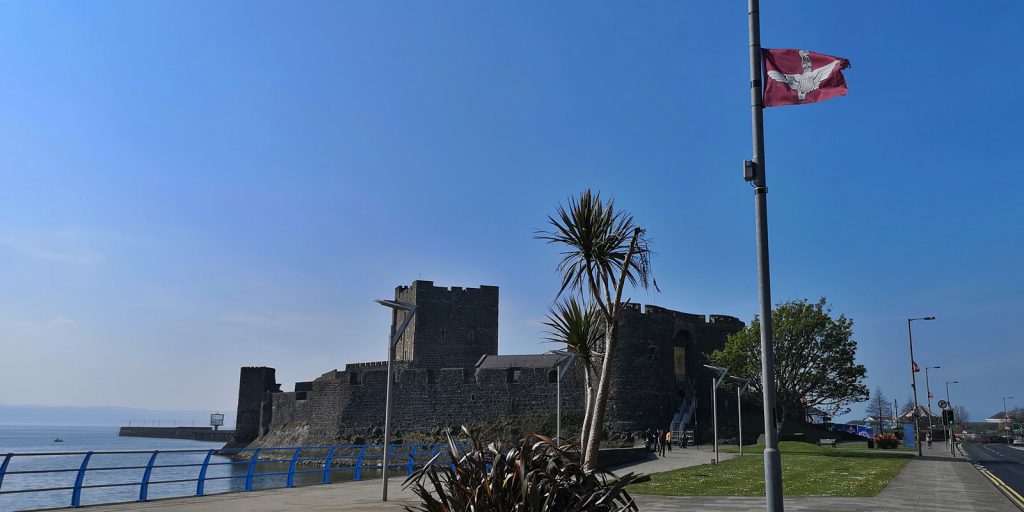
453,327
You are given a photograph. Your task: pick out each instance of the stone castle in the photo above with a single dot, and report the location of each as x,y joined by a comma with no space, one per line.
449,373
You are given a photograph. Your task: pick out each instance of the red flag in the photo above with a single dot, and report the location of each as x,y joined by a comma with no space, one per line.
917,368
794,77
931,395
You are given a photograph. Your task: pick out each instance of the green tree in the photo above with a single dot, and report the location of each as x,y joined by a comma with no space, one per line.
961,417
879,408
603,250
815,359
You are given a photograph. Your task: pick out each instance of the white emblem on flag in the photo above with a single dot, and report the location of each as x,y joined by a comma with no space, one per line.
809,80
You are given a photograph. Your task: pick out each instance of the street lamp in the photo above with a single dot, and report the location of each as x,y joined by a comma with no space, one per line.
949,437
928,389
913,381
715,382
561,367
743,384
410,310
1006,419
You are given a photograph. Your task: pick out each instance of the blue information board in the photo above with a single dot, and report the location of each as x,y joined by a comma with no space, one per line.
859,430
908,435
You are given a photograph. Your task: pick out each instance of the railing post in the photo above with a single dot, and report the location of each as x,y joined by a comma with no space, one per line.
3,467
359,464
252,467
327,465
76,492
291,468
391,451
144,486
412,460
202,474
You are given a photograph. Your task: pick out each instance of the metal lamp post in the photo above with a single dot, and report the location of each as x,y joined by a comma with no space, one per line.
1006,418
949,437
928,389
754,171
561,366
410,310
913,382
742,386
715,382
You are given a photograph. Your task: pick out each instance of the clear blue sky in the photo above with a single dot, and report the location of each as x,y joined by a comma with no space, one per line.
189,187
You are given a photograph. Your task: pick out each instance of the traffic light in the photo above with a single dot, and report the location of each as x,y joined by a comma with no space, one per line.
947,417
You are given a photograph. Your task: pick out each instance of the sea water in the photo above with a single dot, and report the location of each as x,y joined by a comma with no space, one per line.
35,439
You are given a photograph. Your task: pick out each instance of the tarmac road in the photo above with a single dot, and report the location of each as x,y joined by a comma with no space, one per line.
1001,460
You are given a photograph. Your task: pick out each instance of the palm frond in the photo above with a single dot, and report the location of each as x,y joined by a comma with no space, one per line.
596,239
577,324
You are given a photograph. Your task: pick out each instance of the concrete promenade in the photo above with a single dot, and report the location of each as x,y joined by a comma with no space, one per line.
925,484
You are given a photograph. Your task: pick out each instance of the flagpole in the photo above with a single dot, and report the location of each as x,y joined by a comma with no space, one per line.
772,458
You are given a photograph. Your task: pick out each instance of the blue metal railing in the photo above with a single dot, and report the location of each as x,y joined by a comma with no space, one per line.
352,458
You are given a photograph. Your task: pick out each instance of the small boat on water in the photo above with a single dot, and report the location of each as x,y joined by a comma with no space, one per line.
58,440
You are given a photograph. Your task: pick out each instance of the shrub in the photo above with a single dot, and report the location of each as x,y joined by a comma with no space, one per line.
536,475
887,441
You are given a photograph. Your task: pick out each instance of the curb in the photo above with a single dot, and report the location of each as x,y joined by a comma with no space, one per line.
1011,494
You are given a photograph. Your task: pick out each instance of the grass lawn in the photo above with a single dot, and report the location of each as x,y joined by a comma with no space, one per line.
807,470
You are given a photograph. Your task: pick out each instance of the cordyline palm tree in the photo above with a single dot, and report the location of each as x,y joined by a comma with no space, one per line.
580,327
603,249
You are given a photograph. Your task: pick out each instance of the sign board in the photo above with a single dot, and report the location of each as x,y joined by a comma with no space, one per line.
859,430
943,404
216,420
908,435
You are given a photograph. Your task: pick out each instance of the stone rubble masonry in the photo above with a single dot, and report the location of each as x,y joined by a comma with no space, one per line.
438,383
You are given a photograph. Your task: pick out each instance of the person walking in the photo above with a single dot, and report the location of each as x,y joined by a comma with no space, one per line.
668,440
928,438
661,442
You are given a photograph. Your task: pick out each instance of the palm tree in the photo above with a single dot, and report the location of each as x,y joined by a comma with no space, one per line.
603,250
580,327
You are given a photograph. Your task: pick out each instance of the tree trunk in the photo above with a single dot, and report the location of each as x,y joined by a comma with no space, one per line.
601,400
588,406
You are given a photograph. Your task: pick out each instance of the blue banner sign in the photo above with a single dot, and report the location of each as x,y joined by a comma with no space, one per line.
859,430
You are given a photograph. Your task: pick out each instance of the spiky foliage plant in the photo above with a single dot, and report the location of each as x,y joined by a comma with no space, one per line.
537,475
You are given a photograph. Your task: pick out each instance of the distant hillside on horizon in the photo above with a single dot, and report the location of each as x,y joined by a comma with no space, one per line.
105,416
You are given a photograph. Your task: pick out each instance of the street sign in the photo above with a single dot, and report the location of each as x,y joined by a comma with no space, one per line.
943,404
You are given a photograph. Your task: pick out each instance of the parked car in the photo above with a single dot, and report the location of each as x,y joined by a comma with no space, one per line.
1019,441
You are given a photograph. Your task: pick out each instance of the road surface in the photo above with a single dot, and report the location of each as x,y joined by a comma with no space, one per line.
1002,461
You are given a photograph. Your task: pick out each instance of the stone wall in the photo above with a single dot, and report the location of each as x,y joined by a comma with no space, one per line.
646,388
438,384
342,408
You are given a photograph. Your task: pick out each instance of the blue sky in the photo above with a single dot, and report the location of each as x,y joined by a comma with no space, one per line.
190,187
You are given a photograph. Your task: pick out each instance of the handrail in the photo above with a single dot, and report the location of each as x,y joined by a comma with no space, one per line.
354,457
